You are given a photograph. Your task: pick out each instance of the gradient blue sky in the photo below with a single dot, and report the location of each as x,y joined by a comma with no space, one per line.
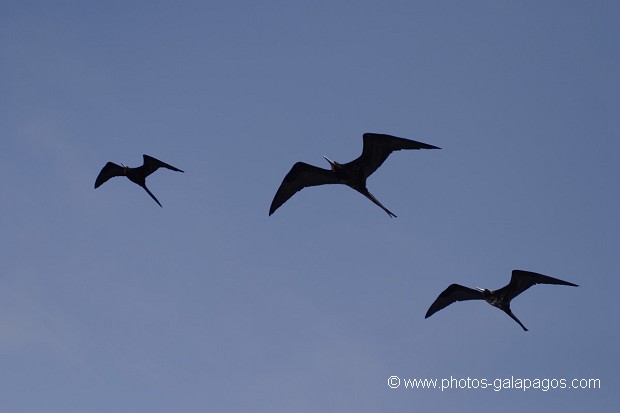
109,303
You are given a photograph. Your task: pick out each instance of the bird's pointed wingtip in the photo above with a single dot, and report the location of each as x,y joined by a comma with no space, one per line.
430,312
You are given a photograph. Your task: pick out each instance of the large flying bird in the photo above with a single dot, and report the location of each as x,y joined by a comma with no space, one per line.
136,175
377,148
520,281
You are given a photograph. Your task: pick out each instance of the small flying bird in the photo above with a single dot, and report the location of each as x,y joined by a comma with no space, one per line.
136,175
520,281
377,148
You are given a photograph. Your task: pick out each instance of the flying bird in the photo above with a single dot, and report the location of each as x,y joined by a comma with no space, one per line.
520,281
136,175
377,148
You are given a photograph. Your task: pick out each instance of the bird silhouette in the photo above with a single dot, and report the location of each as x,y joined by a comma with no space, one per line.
377,148
136,175
519,282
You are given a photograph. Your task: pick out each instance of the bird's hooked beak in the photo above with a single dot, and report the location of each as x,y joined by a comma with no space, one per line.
331,163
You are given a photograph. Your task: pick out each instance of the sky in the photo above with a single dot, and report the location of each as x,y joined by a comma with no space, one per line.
109,303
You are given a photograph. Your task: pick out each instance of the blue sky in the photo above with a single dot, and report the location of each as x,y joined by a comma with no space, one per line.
109,303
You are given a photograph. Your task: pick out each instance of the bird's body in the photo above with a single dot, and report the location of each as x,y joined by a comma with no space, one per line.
520,281
136,175
377,148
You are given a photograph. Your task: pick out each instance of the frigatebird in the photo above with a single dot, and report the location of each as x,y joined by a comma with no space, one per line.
136,175
377,148
519,282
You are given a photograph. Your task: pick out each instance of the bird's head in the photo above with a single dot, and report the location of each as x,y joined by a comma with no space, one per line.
124,168
334,165
485,291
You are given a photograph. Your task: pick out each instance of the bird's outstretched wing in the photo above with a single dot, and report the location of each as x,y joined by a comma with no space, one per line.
151,164
110,170
300,176
377,148
522,280
453,293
